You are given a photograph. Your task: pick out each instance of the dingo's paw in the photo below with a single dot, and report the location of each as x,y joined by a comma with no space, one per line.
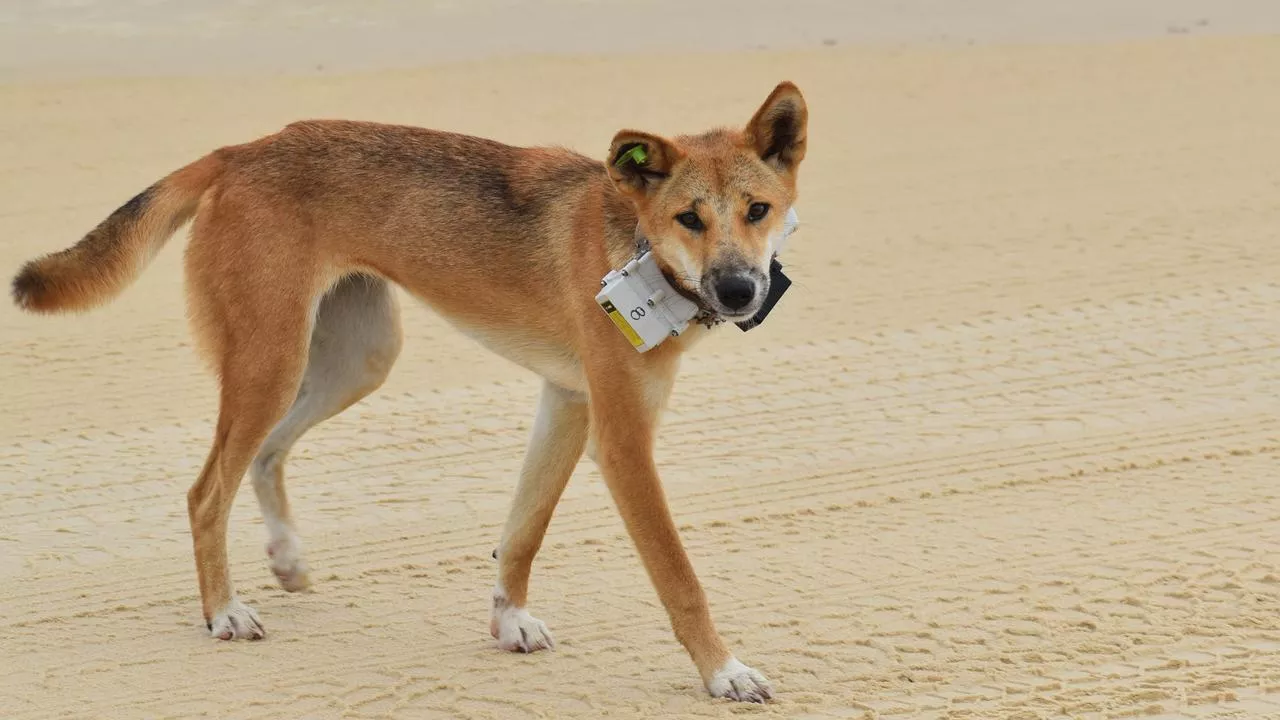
739,682
285,558
236,621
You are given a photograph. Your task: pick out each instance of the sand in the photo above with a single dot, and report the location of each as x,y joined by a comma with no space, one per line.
1007,450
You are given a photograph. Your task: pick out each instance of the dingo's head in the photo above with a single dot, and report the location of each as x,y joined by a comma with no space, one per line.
712,205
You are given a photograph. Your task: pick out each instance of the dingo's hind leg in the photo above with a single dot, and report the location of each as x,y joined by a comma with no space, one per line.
354,344
252,304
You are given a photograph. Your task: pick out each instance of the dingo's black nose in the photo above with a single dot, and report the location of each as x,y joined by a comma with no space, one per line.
736,291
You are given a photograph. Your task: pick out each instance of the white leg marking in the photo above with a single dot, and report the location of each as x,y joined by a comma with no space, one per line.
284,553
284,549
515,629
739,682
237,621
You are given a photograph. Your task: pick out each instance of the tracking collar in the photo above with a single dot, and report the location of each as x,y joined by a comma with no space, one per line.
648,307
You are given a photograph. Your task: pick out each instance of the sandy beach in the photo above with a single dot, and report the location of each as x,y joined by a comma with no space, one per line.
1006,451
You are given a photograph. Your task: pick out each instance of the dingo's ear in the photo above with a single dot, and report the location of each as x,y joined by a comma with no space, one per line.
638,162
778,132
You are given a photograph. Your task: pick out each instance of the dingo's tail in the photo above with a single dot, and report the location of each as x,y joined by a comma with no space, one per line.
108,259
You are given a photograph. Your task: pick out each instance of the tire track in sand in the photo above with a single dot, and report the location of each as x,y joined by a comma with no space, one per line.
880,405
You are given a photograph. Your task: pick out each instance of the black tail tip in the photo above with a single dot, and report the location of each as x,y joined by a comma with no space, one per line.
29,288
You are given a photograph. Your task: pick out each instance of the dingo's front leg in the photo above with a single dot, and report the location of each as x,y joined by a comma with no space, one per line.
623,421
559,434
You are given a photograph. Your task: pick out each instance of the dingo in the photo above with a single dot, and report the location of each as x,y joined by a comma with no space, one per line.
298,236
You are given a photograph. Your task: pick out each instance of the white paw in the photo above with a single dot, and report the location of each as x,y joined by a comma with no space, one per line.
285,559
739,682
518,631
237,621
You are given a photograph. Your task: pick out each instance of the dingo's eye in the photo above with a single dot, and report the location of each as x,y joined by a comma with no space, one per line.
757,211
690,220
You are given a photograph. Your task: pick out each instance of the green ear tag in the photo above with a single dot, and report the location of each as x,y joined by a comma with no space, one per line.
636,155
